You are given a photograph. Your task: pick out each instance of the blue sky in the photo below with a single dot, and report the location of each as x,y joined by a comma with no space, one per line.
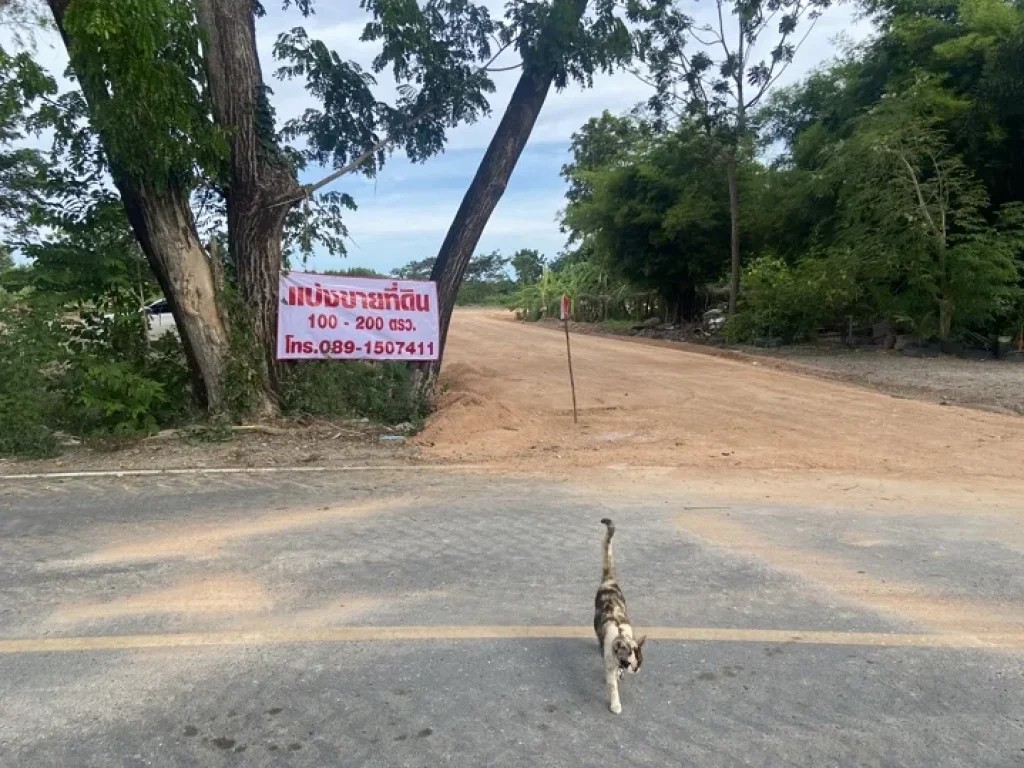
404,213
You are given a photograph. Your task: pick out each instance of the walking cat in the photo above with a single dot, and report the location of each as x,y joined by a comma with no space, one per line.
614,632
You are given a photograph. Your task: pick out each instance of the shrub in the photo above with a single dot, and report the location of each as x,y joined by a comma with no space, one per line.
165,363
382,392
777,300
109,398
88,373
30,358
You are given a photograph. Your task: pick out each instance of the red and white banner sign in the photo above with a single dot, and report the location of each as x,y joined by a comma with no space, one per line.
564,309
322,317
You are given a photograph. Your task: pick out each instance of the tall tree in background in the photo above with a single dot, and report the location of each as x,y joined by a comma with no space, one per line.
709,71
528,264
653,215
917,217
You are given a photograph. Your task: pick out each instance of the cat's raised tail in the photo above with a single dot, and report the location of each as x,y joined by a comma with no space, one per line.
608,547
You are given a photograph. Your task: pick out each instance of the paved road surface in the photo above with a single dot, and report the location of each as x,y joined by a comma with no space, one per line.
423,617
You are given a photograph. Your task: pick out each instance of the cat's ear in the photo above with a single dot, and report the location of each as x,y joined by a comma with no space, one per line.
641,641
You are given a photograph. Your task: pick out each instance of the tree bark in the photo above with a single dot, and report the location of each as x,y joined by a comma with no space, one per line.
163,223
945,319
734,242
165,228
258,175
486,190
482,197
479,203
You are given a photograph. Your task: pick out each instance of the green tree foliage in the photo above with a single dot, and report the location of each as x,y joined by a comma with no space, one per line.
896,195
710,75
603,142
486,280
528,264
651,213
416,270
356,272
915,215
595,295
901,175
88,253
24,173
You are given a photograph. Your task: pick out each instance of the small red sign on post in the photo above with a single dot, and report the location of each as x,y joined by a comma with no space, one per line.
564,310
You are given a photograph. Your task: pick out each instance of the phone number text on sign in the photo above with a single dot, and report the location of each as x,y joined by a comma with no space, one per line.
322,317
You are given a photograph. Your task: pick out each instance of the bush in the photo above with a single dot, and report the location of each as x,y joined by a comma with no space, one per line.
165,363
382,392
26,407
791,303
87,373
111,399
30,358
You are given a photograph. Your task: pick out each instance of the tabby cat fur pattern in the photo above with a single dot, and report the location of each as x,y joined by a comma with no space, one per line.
620,651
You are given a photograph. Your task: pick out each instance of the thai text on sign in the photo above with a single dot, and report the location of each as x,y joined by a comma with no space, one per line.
324,317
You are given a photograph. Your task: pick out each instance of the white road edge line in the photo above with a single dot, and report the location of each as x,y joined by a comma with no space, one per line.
237,471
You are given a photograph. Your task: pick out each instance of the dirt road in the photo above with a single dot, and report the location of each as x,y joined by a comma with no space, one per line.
508,401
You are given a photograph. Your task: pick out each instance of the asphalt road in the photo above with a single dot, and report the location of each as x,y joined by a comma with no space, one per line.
422,617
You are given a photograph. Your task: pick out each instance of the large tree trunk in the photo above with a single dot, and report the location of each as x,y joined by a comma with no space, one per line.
164,225
480,201
482,197
259,175
734,240
165,228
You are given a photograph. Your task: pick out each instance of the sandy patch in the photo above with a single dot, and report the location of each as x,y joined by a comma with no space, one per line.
912,602
193,541
220,595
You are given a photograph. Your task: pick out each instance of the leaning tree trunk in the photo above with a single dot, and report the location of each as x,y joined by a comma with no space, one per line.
734,238
259,177
482,198
480,201
165,228
164,225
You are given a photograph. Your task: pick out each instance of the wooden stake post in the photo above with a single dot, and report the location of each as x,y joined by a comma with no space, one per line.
568,351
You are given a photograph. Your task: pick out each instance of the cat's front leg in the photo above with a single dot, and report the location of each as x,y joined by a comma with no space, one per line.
611,676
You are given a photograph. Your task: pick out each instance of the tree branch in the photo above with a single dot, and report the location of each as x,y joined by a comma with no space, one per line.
773,77
941,194
309,189
494,58
765,21
920,195
505,69
721,30
706,44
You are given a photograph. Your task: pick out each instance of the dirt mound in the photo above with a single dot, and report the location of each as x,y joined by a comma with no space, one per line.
469,407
